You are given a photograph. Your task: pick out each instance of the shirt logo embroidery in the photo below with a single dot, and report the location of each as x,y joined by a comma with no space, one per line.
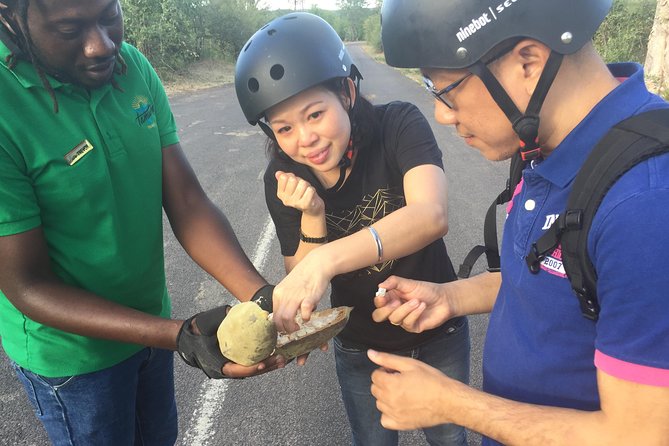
553,262
78,152
144,112
550,219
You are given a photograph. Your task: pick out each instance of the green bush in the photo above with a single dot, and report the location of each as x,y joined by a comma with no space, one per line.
624,34
372,32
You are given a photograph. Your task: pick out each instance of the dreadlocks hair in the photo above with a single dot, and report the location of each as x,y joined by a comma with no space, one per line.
20,34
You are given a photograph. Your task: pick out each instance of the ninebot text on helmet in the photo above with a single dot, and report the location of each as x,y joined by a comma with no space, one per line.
481,21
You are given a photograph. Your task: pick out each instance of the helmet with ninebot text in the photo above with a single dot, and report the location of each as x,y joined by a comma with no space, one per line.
457,33
288,55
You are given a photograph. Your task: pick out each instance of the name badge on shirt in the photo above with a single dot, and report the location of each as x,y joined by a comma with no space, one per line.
78,152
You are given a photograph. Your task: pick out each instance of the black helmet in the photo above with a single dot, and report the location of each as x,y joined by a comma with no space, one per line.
457,33
288,55
454,34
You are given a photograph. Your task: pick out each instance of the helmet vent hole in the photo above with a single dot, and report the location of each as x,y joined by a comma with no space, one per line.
271,32
276,72
254,86
248,45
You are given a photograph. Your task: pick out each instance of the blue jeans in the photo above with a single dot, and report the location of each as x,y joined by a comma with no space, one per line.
448,352
131,403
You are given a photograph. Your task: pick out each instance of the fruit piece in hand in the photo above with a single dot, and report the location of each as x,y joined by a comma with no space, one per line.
247,335
321,327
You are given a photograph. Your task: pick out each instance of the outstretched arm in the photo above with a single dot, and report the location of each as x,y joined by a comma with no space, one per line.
418,306
411,394
203,230
31,286
405,231
27,280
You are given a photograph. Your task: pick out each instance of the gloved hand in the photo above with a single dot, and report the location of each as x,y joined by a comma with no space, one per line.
263,297
202,350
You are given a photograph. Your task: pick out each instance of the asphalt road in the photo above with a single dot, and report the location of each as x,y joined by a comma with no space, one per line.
296,405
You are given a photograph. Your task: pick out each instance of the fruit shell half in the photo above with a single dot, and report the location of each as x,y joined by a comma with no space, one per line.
323,326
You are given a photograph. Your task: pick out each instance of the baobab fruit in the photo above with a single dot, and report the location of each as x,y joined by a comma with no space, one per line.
247,335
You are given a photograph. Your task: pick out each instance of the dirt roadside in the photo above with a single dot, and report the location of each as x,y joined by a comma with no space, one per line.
213,73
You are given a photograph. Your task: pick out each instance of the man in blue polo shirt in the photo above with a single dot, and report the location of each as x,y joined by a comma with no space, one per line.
89,158
527,71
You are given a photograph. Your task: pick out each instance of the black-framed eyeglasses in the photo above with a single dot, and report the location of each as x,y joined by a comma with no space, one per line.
441,94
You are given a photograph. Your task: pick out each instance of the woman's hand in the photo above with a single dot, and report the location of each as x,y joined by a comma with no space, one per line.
297,193
301,290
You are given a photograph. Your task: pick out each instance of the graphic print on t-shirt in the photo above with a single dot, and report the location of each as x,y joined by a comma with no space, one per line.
372,208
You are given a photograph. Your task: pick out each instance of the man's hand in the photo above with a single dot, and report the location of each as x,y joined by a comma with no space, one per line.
410,394
197,345
415,305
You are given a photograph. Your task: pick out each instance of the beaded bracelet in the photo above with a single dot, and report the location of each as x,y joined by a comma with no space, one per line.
307,239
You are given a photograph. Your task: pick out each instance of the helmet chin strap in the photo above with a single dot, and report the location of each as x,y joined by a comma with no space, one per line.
267,129
525,125
347,158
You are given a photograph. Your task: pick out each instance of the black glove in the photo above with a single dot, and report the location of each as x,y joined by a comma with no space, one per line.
263,297
202,351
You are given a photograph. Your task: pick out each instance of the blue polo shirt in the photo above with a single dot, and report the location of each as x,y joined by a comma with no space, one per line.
539,348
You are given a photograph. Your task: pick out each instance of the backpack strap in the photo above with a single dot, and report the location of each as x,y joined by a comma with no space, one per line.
624,146
490,245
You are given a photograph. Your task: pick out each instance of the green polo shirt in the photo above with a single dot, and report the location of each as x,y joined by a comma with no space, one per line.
91,177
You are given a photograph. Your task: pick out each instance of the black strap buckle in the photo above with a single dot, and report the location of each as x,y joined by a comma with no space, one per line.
534,259
589,305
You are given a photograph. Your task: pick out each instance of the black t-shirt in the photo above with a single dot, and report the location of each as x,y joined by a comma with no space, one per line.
373,190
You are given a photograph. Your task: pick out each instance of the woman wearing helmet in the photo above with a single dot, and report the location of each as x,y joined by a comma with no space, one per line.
357,192
524,75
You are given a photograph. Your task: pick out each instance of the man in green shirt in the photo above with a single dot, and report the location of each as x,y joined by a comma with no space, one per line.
89,158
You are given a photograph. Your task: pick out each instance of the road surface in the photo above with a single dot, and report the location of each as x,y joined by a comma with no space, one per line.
297,405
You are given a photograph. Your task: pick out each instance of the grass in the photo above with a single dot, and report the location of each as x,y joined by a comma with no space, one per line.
201,75
412,73
214,73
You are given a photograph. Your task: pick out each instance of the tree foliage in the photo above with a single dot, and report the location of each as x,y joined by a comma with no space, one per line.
174,33
624,34
163,30
372,28
351,18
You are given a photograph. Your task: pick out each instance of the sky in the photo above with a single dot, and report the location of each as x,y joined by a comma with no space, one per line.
290,4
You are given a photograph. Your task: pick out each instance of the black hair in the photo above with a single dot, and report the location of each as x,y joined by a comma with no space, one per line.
17,30
364,123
